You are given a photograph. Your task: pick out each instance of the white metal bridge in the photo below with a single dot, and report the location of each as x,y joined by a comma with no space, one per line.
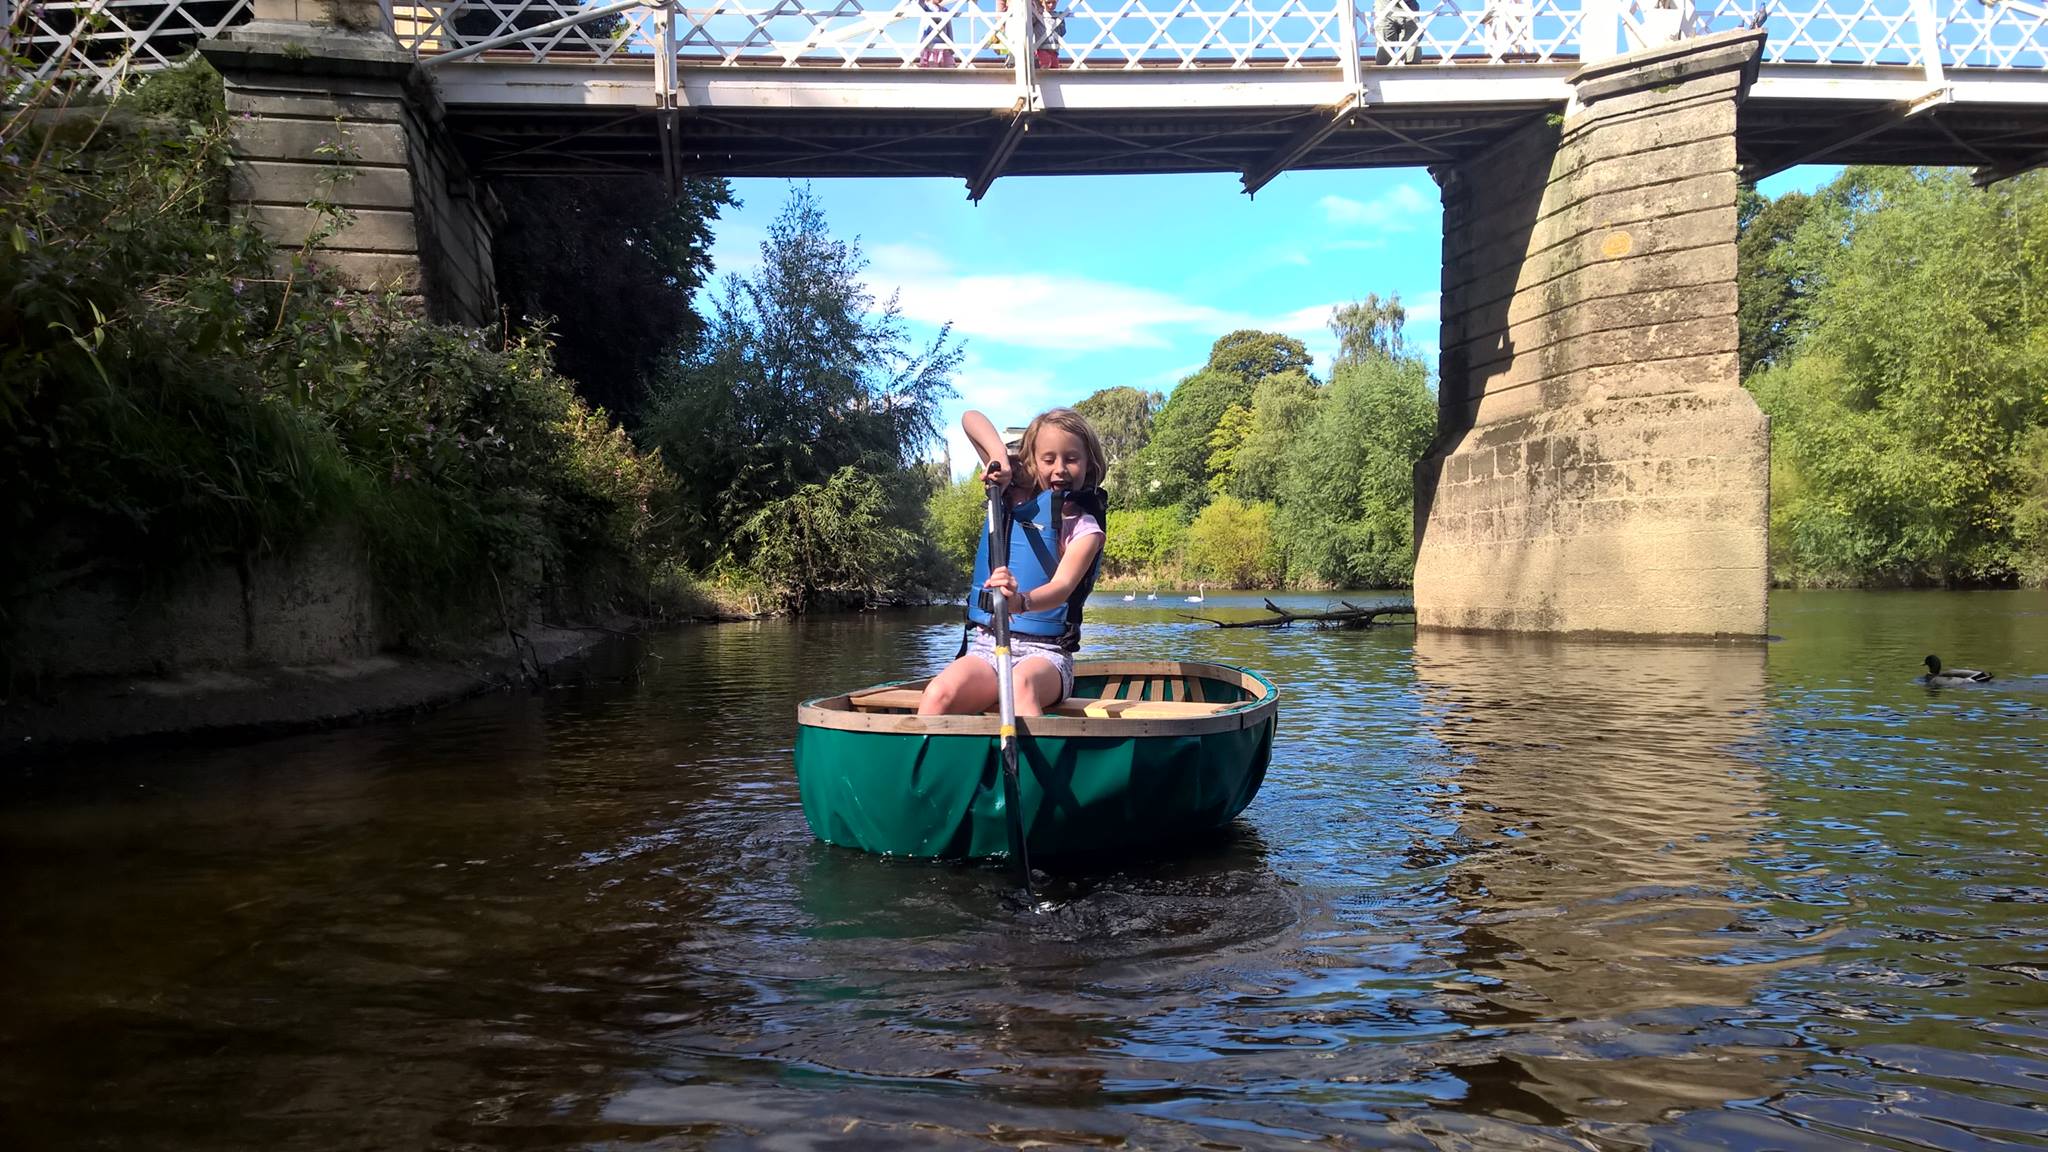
1254,87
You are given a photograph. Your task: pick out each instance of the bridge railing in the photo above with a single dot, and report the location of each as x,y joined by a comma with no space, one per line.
106,40
1131,35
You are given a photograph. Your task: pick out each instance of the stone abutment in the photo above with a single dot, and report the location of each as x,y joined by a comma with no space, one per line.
1598,467
337,140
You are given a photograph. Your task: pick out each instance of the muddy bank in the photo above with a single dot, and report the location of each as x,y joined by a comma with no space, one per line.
219,704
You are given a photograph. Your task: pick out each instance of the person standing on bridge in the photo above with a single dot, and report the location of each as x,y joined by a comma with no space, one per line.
936,43
1047,26
1054,529
1397,24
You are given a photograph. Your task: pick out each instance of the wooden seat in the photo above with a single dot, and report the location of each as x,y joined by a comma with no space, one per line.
906,699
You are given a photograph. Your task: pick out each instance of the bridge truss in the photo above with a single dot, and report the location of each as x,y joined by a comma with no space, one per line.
974,89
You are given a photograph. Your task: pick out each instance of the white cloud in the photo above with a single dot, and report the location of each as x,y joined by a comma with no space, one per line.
1165,379
1426,309
1314,318
1001,392
1400,210
1036,310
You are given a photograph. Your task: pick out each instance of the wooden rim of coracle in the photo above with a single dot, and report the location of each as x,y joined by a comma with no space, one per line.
840,712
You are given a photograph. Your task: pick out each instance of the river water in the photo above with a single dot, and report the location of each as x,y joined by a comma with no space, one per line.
1494,893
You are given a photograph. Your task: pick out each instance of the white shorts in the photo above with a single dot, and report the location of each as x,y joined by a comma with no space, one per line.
1022,648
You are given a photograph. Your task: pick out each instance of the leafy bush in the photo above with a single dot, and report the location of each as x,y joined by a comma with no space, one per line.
1147,541
136,426
488,465
1904,360
1233,542
834,537
171,393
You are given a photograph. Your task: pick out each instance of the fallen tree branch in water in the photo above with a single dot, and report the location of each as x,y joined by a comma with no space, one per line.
1350,616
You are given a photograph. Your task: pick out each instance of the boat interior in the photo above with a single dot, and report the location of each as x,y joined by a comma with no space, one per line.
1136,692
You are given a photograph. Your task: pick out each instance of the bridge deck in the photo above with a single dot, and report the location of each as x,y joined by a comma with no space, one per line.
1254,87
575,119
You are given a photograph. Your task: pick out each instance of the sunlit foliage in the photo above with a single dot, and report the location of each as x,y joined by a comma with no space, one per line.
1908,407
802,373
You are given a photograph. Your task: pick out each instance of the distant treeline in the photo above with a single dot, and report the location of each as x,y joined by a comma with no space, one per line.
1895,327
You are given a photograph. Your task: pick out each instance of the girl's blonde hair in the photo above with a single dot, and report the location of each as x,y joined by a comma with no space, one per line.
1074,424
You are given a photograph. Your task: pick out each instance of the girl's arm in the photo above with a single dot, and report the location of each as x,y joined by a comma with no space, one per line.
995,456
1073,567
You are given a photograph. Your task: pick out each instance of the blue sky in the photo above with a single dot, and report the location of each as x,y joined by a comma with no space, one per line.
1059,286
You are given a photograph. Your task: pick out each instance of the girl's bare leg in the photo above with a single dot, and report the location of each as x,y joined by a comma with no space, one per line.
966,687
1038,685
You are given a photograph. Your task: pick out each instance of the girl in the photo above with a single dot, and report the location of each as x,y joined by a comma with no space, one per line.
1056,509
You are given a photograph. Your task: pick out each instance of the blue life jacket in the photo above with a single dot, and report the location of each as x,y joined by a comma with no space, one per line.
1034,530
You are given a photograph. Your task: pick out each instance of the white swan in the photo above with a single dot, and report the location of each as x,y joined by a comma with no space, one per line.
1197,597
1130,596
1151,595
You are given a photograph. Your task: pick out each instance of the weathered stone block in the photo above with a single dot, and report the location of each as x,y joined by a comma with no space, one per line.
1723,87
313,104
343,185
370,230
314,100
279,138
1671,68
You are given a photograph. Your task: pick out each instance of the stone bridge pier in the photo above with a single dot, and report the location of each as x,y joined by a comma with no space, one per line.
336,138
1598,467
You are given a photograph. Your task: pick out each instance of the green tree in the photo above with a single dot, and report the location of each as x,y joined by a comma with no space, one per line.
1347,492
1251,355
1369,327
2030,526
1771,288
1226,443
1903,421
612,266
1282,405
1233,542
1173,467
1122,419
801,373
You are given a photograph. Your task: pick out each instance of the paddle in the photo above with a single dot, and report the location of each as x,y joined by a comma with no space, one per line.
1006,688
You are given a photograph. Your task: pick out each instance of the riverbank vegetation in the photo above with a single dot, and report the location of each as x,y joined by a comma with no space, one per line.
1894,325
172,395
176,393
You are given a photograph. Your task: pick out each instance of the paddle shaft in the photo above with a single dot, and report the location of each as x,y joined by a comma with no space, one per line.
1006,685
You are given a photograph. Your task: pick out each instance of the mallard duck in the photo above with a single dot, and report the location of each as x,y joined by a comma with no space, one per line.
1936,674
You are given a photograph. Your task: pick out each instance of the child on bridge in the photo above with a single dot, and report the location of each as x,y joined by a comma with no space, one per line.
1056,509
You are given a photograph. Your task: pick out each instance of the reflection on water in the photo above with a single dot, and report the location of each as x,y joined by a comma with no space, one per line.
1495,891
1598,794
